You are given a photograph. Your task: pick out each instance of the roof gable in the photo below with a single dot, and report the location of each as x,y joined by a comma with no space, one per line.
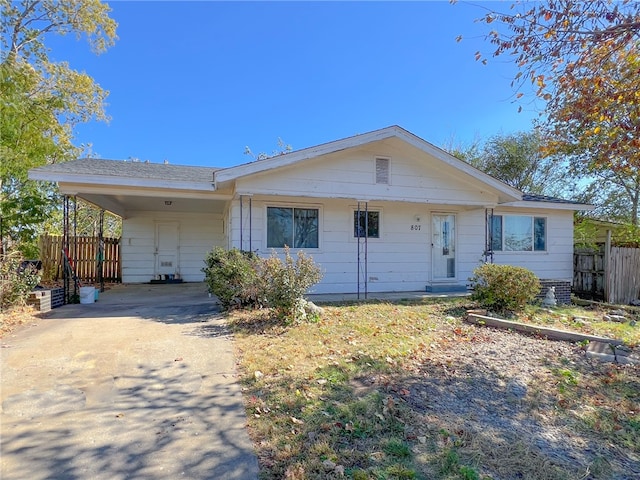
505,192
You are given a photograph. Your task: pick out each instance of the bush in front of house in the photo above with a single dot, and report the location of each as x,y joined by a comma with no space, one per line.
232,276
286,283
16,279
504,288
242,279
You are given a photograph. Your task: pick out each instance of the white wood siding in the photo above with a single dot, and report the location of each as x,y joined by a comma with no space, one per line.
557,262
400,260
351,174
198,234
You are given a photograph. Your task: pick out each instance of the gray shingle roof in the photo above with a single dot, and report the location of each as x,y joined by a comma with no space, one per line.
531,197
129,169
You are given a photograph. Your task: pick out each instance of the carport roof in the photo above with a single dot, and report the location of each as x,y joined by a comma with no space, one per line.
129,169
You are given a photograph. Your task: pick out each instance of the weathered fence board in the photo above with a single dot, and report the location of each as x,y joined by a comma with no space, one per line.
83,252
624,275
588,273
591,274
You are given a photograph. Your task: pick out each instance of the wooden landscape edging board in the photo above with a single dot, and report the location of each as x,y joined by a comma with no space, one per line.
551,333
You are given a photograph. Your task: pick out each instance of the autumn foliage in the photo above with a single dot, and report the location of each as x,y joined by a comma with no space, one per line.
582,59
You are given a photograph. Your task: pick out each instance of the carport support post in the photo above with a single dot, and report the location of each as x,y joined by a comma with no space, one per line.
76,293
101,250
65,248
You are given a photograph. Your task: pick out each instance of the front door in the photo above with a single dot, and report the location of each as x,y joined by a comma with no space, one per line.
166,248
443,246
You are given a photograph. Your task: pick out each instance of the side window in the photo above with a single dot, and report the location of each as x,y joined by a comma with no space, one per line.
518,233
539,234
496,233
366,224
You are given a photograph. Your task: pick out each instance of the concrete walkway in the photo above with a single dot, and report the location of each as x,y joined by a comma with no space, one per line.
140,385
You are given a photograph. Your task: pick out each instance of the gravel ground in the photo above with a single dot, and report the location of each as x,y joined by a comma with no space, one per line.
495,390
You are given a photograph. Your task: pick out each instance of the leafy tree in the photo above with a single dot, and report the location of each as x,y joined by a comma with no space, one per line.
582,59
598,128
41,101
517,160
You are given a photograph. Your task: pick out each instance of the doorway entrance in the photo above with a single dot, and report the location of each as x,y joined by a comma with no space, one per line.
167,258
443,247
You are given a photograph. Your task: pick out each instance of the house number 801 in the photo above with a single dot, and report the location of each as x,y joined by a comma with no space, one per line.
415,227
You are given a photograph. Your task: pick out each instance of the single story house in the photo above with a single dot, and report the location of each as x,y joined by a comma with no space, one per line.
381,211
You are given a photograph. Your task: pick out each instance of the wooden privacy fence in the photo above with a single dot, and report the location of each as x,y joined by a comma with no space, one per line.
83,252
622,276
607,273
588,272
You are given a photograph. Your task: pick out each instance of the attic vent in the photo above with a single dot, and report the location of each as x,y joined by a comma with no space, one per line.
382,171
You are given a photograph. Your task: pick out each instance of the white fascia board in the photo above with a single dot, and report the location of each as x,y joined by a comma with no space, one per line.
458,164
234,173
107,180
108,190
549,205
268,195
278,161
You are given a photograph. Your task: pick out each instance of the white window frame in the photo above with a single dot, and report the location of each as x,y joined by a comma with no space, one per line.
533,234
354,210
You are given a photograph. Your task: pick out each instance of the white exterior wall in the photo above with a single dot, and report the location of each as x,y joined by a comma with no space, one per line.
197,235
557,262
401,259
351,174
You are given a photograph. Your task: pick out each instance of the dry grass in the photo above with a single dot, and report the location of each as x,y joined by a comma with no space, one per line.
586,320
15,317
342,398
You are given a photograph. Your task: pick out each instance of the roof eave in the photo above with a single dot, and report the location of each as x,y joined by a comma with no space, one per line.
233,173
549,205
48,176
278,161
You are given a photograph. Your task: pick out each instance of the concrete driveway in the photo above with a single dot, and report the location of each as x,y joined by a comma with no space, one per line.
140,385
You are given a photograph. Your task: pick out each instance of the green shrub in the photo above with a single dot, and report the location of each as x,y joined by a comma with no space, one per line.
241,279
504,288
232,276
287,282
15,281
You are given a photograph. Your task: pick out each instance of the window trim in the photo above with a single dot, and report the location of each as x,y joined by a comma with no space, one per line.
533,219
368,210
300,206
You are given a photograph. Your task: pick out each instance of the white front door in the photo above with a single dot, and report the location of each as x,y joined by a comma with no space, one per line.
167,248
443,246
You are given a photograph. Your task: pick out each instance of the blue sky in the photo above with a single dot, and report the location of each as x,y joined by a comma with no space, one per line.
196,82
